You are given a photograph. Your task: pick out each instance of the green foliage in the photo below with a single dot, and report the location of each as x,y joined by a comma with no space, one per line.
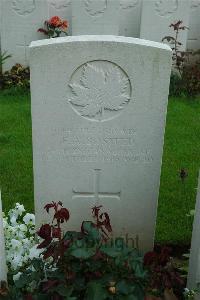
82,265
17,77
176,88
3,57
185,78
188,84
191,78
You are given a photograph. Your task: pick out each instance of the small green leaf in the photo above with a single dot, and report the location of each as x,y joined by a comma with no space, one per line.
138,269
125,288
23,281
110,251
63,290
95,291
92,231
41,297
83,253
138,291
36,263
128,297
71,235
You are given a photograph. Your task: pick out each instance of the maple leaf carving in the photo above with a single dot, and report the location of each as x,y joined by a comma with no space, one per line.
58,4
165,8
23,7
195,4
99,90
95,7
128,4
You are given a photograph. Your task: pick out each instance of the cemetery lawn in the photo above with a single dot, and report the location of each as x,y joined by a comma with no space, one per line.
16,179
182,150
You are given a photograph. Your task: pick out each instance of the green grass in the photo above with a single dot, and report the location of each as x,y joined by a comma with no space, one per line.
182,150
16,179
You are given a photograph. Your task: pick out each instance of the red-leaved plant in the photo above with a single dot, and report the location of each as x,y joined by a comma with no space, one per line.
179,56
81,264
186,80
163,274
48,232
88,264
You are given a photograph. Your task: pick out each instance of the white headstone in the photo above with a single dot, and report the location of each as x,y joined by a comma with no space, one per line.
129,19
157,15
20,22
95,17
194,25
3,266
98,128
63,9
194,265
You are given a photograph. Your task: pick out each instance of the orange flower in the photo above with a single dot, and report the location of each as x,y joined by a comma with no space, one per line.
55,21
64,25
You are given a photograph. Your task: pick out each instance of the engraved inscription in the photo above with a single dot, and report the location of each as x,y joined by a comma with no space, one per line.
99,90
95,7
23,7
195,4
166,7
96,194
93,144
60,4
128,4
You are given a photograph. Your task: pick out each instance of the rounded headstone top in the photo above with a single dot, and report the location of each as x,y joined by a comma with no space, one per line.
100,38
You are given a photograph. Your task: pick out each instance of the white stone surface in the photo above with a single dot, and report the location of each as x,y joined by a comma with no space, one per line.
126,22
95,17
157,15
3,266
63,9
20,22
194,25
129,19
98,128
194,264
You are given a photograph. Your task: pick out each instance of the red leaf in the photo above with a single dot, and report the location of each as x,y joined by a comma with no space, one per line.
50,205
164,256
150,258
62,215
50,252
106,221
3,289
43,31
66,244
176,25
44,244
95,211
28,297
45,232
56,232
50,284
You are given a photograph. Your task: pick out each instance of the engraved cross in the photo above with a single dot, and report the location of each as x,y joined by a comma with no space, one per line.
24,45
96,194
